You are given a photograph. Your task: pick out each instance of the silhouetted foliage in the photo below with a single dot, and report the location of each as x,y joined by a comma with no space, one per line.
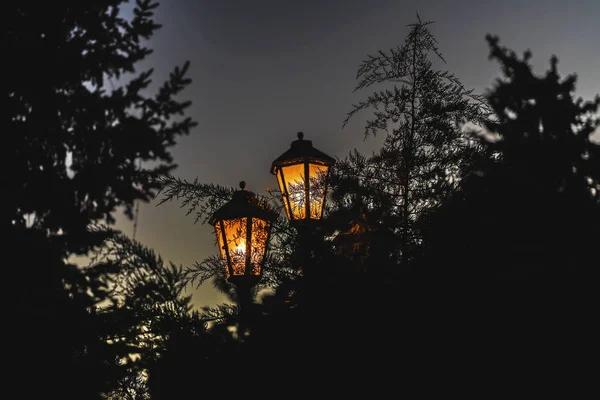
515,248
423,116
523,204
73,133
531,211
332,313
81,146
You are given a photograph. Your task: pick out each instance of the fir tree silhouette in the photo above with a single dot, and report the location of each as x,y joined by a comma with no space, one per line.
80,147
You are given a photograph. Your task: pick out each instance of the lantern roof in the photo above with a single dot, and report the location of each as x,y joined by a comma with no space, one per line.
299,151
243,204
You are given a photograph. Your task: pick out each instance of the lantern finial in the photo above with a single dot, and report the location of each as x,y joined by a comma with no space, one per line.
243,185
300,135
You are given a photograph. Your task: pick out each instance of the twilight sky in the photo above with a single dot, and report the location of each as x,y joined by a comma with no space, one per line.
263,70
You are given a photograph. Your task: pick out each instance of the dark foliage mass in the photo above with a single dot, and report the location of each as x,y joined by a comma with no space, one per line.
532,210
80,147
463,250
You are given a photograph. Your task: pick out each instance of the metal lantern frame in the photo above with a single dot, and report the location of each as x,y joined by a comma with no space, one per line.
304,157
245,213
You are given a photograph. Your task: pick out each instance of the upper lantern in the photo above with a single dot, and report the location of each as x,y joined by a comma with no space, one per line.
243,227
302,175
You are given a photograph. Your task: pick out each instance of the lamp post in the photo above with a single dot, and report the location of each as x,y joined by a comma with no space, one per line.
243,228
302,173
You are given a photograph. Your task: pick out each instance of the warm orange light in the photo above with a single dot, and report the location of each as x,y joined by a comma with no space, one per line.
301,173
296,190
233,237
317,193
282,188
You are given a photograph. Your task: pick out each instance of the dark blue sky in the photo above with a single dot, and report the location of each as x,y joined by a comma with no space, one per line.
264,70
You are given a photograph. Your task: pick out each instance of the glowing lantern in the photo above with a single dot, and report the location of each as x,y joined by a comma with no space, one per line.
243,227
302,172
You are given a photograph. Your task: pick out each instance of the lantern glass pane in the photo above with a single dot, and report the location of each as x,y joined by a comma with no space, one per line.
286,205
221,243
260,237
235,236
296,189
317,174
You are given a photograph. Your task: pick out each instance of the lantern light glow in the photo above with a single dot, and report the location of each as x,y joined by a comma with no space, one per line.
303,198
242,227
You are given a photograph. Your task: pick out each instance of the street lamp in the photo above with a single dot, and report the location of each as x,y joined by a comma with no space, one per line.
243,227
302,172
